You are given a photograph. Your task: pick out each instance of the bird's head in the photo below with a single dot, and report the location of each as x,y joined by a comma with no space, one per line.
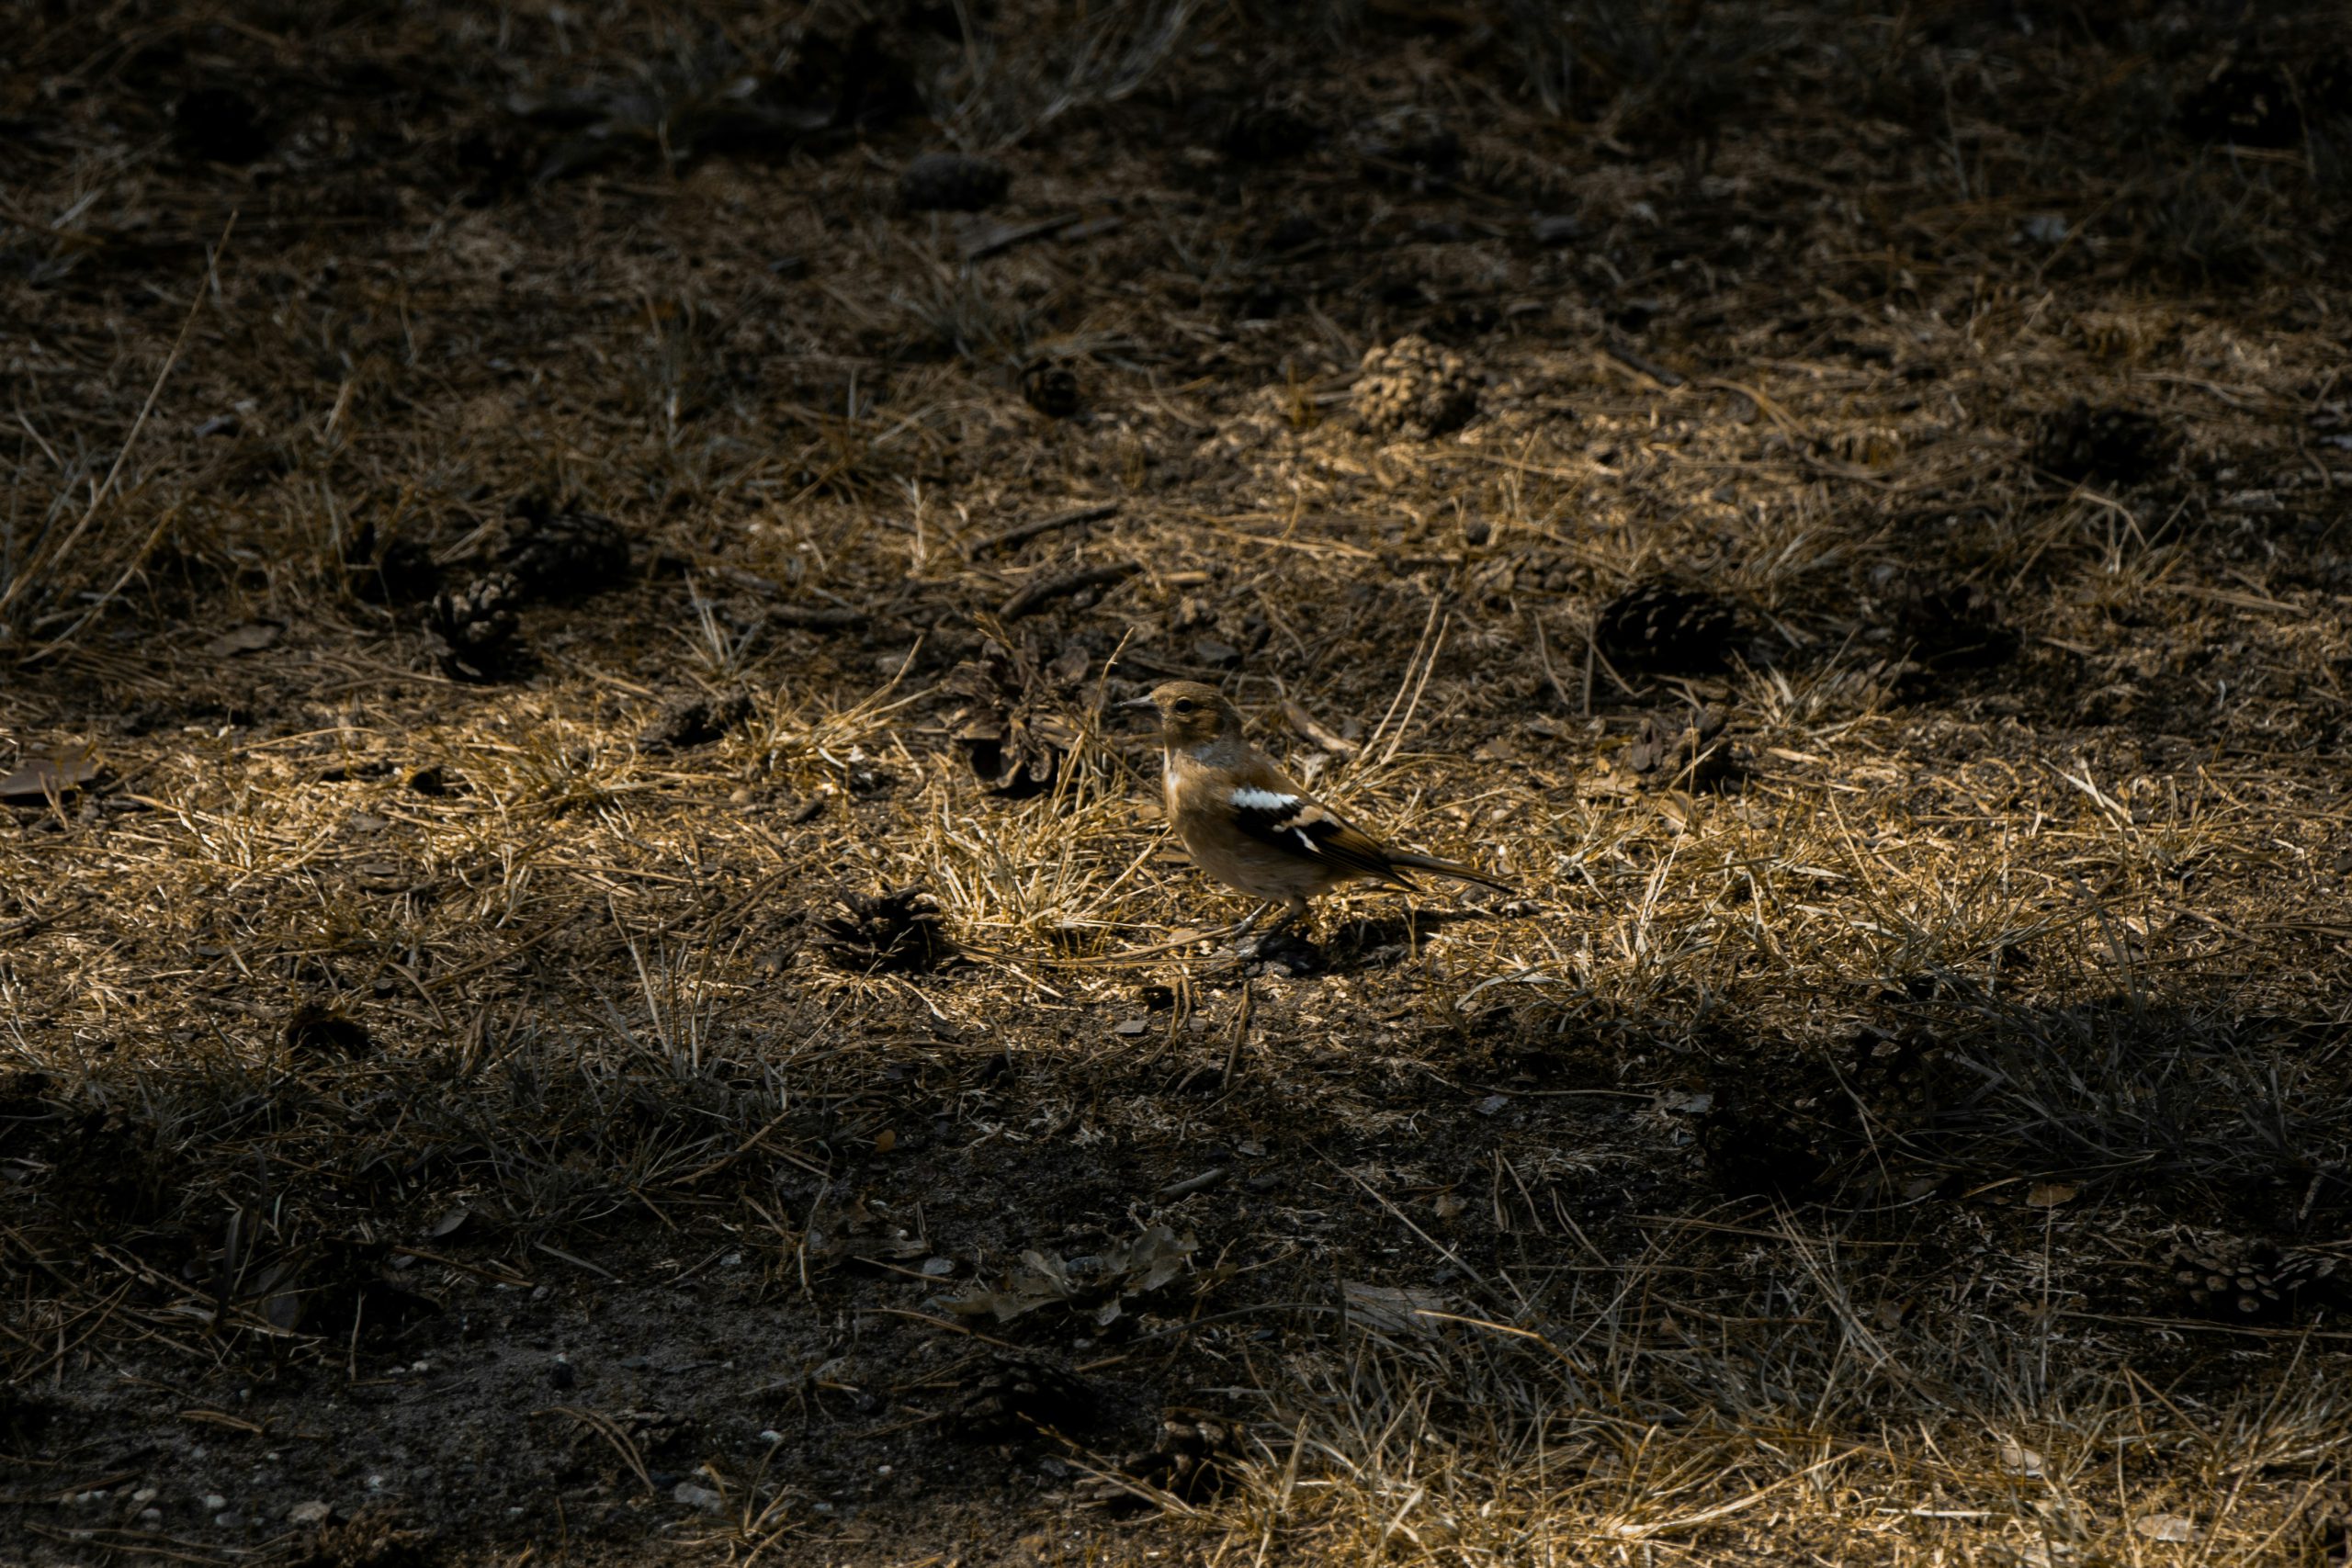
1190,714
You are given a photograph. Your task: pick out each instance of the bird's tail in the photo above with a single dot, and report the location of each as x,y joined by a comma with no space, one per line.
1448,868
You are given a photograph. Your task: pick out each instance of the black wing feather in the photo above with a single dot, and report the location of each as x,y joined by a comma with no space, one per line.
1300,826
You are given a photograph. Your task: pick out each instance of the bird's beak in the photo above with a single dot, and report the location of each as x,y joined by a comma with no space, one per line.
1136,702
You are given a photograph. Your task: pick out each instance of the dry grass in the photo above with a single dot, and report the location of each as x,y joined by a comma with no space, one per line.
1787,1173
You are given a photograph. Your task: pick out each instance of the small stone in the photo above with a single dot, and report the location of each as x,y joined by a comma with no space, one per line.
313,1511
1209,650
702,1499
635,1363
151,1516
213,1502
1555,229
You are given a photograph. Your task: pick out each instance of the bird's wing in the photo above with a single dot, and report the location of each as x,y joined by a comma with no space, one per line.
1284,819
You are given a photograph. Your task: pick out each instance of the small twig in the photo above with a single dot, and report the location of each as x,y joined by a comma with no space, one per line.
1021,532
1544,656
608,1429
1232,1054
1311,728
809,618
1624,355
1181,942
1038,596
1003,237
579,1262
1192,1184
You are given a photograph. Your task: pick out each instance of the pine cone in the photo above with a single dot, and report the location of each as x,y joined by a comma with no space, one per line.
1414,388
952,182
1016,1395
562,555
1765,1148
476,628
896,932
1011,725
220,125
1050,388
1900,1081
694,721
1684,750
1183,1461
1267,132
1411,146
2079,442
1657,625
2242,1279
2249,104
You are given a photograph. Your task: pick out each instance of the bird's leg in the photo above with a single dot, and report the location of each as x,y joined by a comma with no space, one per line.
1294,911
1247,926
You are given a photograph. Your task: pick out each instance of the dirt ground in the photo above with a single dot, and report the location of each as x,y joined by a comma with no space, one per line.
589,971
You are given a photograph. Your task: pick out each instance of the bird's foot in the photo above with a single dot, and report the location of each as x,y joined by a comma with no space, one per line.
1284,948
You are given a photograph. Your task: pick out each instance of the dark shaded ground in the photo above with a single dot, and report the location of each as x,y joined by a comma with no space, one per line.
583,971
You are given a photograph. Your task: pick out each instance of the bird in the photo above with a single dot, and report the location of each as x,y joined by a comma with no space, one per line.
1246,823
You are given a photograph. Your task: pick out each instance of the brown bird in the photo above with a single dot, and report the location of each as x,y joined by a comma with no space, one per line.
1246,823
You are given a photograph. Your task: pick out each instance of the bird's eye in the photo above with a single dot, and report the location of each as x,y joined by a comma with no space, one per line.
1185,704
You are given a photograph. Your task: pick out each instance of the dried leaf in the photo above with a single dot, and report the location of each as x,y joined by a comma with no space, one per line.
2049,1194
37,780
250,638
1106,1279
2166,1526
